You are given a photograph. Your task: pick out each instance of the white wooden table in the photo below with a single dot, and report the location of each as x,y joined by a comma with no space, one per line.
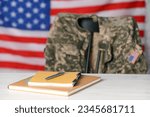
112,87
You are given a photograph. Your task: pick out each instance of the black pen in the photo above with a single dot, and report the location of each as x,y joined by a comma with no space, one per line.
55,75
75,81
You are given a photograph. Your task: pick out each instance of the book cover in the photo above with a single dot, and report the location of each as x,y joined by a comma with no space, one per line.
83,83
65,80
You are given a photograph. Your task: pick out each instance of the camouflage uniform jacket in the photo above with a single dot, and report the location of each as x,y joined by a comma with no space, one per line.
67,43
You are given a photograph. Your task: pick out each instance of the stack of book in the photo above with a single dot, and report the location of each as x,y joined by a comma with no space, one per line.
59,83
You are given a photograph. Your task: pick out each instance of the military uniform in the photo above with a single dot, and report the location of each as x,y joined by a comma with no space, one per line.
67,44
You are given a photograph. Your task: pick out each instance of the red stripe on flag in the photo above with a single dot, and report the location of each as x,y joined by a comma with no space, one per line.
94,9
143,47
22,53
141,33
139,18
23,39
16,65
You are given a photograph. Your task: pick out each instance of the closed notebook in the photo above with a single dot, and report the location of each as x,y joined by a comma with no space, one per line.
83,83
64,80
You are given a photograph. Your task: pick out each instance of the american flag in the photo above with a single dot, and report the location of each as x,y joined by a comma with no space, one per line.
24,25
133,56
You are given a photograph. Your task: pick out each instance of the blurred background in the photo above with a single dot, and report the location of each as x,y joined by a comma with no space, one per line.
24,26
147,34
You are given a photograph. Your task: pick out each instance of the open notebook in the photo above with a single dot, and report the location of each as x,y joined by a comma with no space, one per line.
83,83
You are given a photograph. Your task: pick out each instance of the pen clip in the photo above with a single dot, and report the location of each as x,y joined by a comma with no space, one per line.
75,81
